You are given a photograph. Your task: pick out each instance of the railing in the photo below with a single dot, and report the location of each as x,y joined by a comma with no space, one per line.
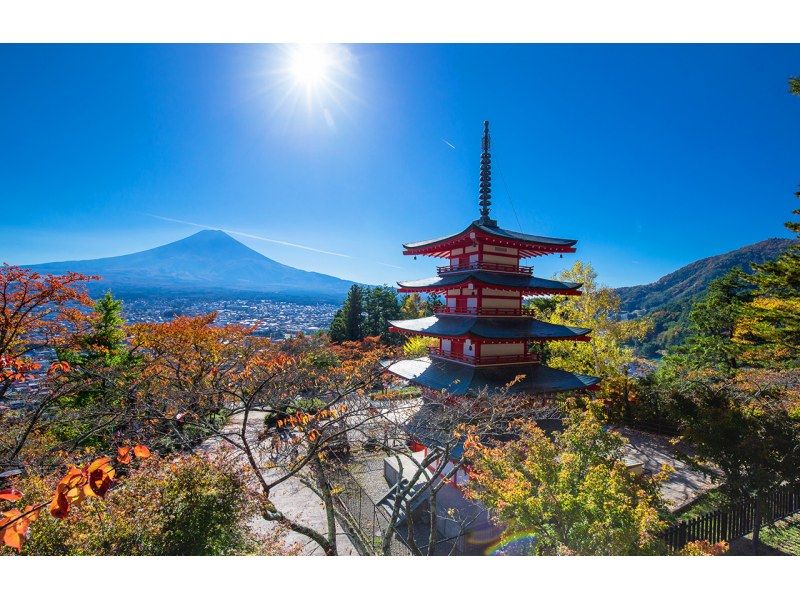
485,360
528,270
372,521
483,311
733,521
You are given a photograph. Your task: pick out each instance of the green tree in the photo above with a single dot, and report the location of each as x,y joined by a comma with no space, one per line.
607,353
773,317
570,495
743,429
348,322
381,306
712,326
103,370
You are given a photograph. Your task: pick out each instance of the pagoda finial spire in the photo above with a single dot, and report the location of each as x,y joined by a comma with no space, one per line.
486,178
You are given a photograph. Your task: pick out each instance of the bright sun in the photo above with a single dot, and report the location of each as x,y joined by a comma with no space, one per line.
309,64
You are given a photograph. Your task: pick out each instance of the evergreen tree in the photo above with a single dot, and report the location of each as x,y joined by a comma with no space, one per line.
349,321
773,318
380,307
354,316
338,328
713,320
105,363
432,301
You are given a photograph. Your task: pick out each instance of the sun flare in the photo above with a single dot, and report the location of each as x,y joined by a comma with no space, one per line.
310,64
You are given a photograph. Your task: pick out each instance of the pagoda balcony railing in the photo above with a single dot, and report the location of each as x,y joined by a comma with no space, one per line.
527,270
483,311
485,360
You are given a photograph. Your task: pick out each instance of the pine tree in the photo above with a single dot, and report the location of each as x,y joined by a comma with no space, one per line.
354,316
380,307
774,315
713,324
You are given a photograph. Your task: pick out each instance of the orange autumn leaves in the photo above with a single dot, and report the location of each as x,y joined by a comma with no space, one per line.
124,453
79,483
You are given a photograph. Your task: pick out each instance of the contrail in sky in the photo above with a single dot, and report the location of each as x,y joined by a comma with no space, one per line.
448,143
260,238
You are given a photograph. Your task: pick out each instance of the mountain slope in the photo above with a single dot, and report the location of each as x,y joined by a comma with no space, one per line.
690,281
208,261
668,300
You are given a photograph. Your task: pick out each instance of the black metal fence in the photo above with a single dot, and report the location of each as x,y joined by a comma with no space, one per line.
734,521
372,521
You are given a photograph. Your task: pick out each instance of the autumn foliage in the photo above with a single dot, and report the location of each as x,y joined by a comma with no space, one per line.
80,483
37,310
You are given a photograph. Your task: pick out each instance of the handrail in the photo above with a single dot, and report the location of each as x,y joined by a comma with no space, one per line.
485,360
484,311
485,266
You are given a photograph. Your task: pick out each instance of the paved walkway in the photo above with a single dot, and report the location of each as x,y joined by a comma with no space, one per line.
684,485
292,497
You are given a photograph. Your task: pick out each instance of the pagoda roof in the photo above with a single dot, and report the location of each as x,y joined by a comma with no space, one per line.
537,286
490,328
459,379
534,244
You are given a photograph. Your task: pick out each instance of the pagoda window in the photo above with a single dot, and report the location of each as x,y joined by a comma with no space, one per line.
446,345
469,348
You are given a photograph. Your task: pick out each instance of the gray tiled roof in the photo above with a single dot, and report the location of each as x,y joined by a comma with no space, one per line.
460,379
491,278
490,328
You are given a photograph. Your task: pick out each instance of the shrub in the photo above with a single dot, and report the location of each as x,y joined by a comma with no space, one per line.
192,505
704,548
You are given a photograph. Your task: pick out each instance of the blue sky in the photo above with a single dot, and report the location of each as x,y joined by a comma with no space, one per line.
651,156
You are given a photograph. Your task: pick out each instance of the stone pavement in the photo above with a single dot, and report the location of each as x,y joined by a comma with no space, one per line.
684,485
292,497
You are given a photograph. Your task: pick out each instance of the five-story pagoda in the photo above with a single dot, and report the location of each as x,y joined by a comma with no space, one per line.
485,335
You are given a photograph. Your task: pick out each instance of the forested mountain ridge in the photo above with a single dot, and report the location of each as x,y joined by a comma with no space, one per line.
690,281
667,300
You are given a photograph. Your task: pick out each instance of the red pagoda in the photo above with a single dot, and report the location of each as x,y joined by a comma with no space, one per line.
485,335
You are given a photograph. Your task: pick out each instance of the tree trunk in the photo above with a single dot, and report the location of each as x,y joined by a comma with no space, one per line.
325,490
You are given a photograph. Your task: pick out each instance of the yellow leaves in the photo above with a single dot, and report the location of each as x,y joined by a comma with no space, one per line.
141,451
705,548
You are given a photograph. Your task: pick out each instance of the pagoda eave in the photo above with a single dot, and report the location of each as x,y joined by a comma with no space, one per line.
489,330
491,341
526,245
526,291
460,379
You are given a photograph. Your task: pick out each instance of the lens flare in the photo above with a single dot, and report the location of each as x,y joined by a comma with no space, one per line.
521,544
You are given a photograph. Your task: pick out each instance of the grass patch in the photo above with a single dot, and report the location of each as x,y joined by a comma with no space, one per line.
710,501
784,536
